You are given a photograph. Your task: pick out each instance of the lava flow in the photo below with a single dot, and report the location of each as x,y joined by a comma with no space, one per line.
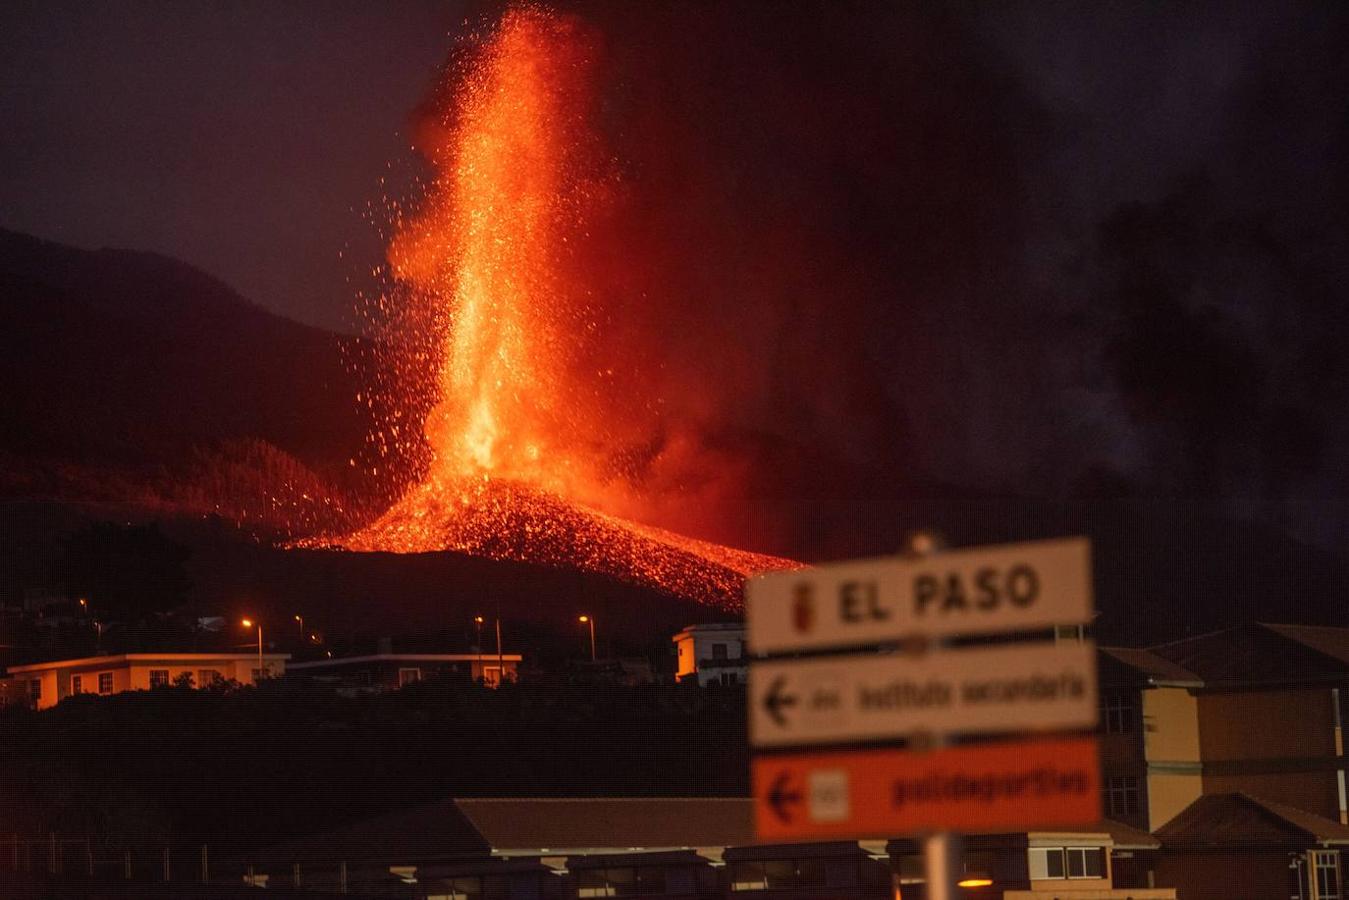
536,419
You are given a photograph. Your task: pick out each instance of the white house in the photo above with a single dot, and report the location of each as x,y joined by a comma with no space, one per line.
712,653
48,683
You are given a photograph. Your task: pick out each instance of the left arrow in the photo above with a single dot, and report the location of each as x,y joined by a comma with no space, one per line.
777,699
781,799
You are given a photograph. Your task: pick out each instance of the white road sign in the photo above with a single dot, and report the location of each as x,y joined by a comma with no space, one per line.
977,591
997,688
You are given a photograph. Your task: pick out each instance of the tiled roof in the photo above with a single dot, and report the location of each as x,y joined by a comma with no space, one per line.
533,824
1123,836
1240,821
431,831
1252,654
475,827
1333,642
1151,667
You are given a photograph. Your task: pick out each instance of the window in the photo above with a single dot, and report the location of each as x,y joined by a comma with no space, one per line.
729,678
627,882
786,874
1085,862
810,873
1046,862
1326,869
105,682
718,651
492,887
841,873
35,689
681,880
1121,796
408,676
1118,714
208,677
748,876
77,684
159,678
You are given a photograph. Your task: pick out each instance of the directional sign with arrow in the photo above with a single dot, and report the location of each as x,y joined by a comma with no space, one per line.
882,793
781,798
777,699
967,690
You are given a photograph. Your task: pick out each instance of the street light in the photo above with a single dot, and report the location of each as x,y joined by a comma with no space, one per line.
300,619
249,623
975,880
590,620
477,624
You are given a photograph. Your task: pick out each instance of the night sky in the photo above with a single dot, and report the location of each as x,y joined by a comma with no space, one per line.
1078,249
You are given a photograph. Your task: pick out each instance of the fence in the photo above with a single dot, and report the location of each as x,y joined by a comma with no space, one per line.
65,858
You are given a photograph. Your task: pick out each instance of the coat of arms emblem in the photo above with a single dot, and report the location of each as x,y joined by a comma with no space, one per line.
803,606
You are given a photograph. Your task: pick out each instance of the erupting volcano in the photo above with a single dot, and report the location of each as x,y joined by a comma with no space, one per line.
543,431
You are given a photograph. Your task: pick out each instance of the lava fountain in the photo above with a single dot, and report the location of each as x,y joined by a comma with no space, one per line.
536,418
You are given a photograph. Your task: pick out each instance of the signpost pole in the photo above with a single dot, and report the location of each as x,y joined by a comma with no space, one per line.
942,850
942,853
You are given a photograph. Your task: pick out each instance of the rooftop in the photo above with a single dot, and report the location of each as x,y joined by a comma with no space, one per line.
1262,654
405,658
120,659
1238,821
1129,664
463,828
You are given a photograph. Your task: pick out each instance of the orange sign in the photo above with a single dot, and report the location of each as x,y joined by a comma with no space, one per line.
892,793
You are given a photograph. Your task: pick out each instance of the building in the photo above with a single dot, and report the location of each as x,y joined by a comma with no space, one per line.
690,848
1255,709
1270,713
1238,847
712,654
389,671
1107,861
1150,759
44,685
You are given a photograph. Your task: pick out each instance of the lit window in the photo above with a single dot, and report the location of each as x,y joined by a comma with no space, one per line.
105,682
1326,865
408,676
1121,796
748,876
77,684
1118,714
159,678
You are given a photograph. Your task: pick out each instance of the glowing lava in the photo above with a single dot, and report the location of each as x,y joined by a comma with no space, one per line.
531,424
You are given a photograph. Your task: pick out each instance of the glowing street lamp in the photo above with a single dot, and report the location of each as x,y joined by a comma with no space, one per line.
477,625
300,620
975,880
590,620
249,623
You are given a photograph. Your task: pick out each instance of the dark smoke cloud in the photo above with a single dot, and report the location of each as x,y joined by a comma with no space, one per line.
1207,291
869,252
812,209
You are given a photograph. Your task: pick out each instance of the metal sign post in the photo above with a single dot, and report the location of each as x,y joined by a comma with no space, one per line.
943,851
887,665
